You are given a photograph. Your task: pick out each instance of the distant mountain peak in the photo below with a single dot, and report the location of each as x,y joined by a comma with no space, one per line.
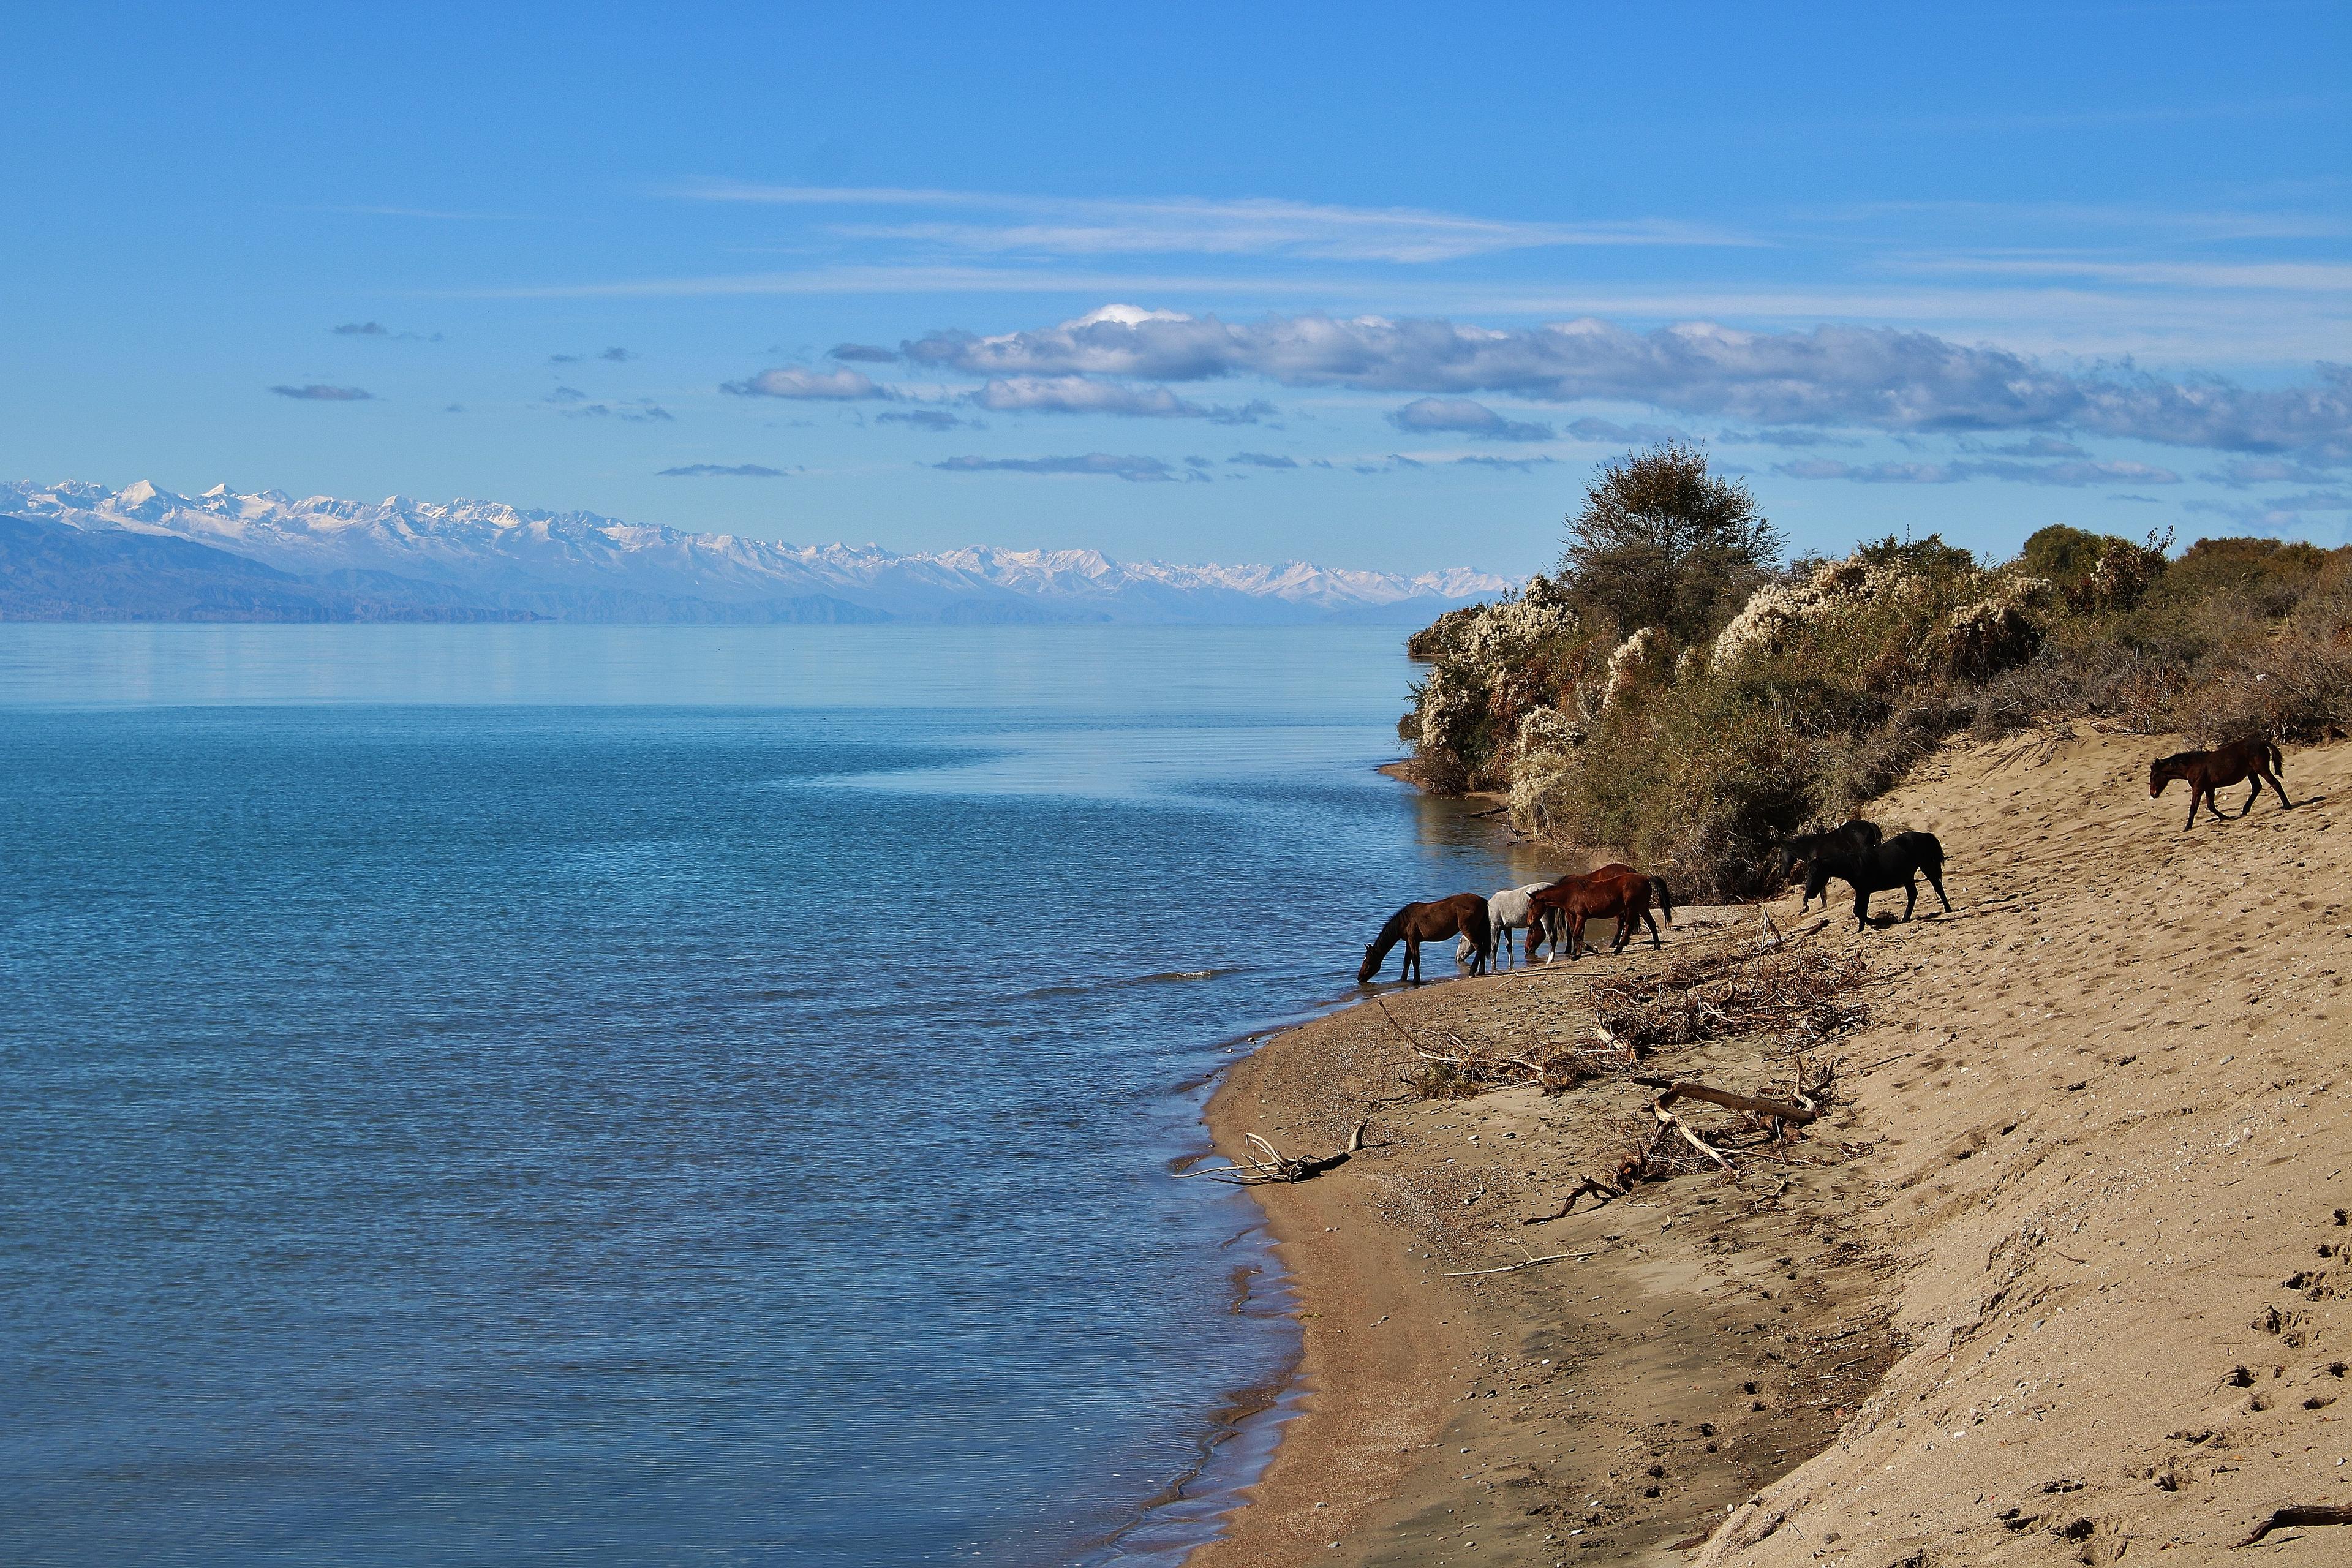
609,569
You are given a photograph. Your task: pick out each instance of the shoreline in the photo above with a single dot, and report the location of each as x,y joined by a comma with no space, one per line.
1447,1411
1387,1396
2000,1304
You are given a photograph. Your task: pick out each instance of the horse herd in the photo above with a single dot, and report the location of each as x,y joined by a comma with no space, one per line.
1857,854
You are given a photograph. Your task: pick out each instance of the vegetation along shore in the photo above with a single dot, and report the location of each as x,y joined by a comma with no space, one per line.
2013,1233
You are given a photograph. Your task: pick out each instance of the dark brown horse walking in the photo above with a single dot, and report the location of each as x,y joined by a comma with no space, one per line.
2209,770
1463,914
1613,893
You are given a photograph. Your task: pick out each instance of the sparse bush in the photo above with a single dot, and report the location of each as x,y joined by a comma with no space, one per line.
1661,541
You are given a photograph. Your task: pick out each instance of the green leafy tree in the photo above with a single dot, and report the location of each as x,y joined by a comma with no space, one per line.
1660,542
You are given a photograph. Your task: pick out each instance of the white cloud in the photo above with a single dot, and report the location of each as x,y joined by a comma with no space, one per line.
2277,277
1627,435
835,387
1873,473
1471,418
1054,225
2242,473
927,418
317,391
2072,474
1134,469
1083,395
1834,376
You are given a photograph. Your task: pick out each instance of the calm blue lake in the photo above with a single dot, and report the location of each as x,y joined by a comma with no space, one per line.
647,1096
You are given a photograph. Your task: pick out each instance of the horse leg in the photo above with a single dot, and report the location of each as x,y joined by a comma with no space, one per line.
1861,906
2254,798
1910,896
2280,788
2196,793
1651,920
1936,880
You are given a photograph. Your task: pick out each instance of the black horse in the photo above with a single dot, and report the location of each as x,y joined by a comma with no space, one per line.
1881,869
1856,837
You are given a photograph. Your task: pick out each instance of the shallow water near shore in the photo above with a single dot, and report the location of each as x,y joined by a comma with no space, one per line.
658,1095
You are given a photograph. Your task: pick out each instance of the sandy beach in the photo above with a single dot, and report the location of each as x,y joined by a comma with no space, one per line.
2052,1280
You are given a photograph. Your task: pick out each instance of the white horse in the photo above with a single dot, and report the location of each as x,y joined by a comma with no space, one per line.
1507,911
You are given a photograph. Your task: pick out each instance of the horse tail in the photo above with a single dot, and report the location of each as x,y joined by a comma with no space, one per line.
1931,853
1666,898
2278,763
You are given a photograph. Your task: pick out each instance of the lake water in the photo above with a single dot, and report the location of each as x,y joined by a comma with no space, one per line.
588,1095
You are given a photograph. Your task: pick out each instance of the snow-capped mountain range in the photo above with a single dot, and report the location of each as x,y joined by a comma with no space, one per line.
577,565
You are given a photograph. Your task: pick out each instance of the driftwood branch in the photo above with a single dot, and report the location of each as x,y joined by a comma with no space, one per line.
1801,1115
1654,1150
1271,1164
1526,1263
2301,1513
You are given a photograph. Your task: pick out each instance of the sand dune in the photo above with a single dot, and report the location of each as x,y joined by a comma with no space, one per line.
2056,1282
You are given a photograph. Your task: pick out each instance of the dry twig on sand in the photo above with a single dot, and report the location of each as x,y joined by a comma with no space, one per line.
1529,1261
2301,1513
1250,1170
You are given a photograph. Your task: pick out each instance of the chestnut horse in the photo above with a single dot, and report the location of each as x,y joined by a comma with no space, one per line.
2209,770
1612,892
1415,923
1550,924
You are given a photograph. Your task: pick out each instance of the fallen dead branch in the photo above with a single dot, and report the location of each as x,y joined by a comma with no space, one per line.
1669,1146
1673,1088
1249,1171
1530,1261
2301,1513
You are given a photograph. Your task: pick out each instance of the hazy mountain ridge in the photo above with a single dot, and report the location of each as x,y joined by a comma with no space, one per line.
508,562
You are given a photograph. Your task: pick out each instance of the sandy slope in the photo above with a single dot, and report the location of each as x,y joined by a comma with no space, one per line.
2086,1167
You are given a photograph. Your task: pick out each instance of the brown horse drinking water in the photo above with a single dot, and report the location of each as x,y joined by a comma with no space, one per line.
2209,770
1612,892
1463,914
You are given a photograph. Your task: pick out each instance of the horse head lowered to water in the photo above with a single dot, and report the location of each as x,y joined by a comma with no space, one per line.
1463,913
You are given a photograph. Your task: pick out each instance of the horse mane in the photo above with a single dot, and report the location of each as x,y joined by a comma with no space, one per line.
1394,931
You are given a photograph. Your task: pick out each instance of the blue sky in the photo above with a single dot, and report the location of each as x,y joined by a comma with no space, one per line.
1372,286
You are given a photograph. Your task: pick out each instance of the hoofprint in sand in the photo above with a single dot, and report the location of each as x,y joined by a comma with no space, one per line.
2054,1279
